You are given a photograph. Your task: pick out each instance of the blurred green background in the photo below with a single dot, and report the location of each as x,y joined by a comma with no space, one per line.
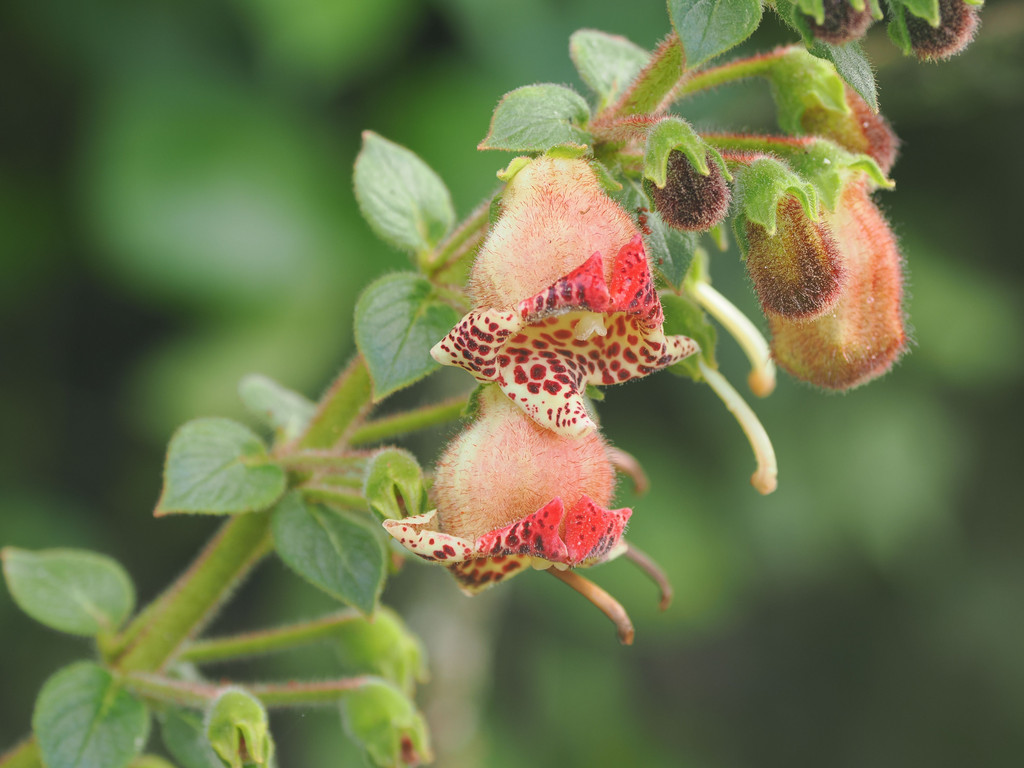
176,211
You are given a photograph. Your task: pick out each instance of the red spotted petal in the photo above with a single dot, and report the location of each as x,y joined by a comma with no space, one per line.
476,575
417,535
632,289
535,535
591,532
583,288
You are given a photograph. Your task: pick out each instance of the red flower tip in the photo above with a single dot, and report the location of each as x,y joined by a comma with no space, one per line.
690,200
958,22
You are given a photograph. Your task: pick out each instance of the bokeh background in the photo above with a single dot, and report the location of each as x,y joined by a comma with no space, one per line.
176,211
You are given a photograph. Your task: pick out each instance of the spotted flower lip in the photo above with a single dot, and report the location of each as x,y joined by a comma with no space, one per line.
586,534
582,329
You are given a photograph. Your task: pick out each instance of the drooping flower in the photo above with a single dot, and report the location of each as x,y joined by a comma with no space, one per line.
840,22
512,494
860,130
691,201
958,22
563,298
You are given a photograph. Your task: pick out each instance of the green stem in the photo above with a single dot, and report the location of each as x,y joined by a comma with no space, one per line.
331,461
754,142
266,640
23,755
332,494
462,241
726,73
186,693
346,401
157,633
409,421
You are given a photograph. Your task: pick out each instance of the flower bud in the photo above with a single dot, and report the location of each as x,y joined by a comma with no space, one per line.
862,335
690,200
383,721
382,646
861,130
797,272
957,24
841,22
237,729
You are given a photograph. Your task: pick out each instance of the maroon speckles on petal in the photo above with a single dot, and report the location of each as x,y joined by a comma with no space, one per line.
592,531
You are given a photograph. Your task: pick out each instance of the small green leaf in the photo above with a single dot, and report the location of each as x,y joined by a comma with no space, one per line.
710,27
218,467
800,81
606,63
923,9
403,200
83,719
70,590
333,550
182,733
537,117
829,167
394,474
237,729
382,720
398,319
286,412
813,8
669,135
853,66
760,187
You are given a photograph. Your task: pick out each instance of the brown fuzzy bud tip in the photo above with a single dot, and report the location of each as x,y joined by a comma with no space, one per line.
861,131
505,466
689,200
842,23
957,24
798,272
863,335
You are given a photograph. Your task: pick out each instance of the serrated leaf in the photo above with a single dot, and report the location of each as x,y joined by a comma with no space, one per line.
760,187
404,201
392,474
853,66
535,118
710,27
398,319
183,734
607,63
84,719
286,412
669,135
333,550
74,591
218,467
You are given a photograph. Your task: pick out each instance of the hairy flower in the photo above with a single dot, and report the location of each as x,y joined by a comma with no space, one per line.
564,298
841,22
862,335
957,23
690,200
511,494
860,130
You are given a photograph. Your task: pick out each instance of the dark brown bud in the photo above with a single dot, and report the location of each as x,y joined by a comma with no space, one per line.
862,336
797,273
842,23
957,24
689,200
861,131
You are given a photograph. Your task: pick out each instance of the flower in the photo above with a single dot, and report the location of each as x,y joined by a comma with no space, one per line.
512,494
564,298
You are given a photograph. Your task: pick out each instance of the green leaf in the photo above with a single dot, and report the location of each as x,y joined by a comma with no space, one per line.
394,474
669,135
710,27
333,550
218,467
923,9
398,319
537,117
182,733
853,66
83,719
286,412
404,201
606,63
150,761
382,720
382,646
800,81
70,590
829,168
760,187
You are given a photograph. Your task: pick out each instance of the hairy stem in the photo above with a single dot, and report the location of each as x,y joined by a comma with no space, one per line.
333,494
650,89
197,695
157,633
729,72
342,405
266,640
409,421
462,241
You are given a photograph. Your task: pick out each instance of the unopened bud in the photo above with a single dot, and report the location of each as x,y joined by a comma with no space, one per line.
690,200
862,336
841,22
957,24
860,130
383,646
237,729
797,273
383,721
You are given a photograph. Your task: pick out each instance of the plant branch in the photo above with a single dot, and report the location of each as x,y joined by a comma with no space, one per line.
333,494
266,640
347,399
409,421
197,695
462,240
738,69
